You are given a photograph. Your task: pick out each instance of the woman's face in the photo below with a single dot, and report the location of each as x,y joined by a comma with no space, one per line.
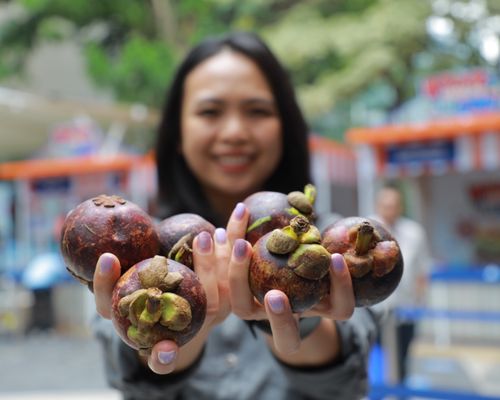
231,135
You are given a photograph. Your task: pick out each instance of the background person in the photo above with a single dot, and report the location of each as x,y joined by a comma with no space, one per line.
231,126
412,289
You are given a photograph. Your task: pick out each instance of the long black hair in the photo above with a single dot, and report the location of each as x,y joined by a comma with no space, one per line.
178,189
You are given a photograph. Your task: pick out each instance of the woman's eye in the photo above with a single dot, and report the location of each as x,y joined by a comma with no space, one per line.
208,112
261,112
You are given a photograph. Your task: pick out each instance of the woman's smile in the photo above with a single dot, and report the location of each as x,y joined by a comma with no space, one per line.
234,163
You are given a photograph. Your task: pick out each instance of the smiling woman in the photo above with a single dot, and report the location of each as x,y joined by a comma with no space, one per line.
231,126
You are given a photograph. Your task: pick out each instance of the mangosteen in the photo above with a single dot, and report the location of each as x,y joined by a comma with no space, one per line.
291,259
158,299
273,210
176,234
106,224
371,253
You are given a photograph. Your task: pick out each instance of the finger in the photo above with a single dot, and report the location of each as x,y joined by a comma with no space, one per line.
222,254
163,357
237,225
341,291
284,325
107,273
204,266
241,297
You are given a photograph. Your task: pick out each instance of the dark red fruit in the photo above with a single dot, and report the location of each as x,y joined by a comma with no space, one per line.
177,233
274,210
158,299
291,260
106,224
371,253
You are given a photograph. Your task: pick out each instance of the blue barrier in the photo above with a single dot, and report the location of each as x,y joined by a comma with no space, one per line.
488,274
426,313
380,391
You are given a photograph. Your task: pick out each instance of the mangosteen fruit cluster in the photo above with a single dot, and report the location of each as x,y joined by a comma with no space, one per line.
158,295
291,255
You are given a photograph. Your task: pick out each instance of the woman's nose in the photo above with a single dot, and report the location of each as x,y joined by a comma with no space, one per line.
234,127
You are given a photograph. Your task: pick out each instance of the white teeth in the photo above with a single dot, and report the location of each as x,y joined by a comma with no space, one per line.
233,160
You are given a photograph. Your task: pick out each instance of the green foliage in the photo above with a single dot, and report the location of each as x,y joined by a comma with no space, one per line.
138,73
363,46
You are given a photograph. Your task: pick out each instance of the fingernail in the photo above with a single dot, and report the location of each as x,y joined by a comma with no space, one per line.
166,357
276,303
220,235
337,262
105,264
239,211
204,241
240,249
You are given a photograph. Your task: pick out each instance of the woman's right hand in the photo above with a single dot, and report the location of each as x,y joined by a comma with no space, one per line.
210,256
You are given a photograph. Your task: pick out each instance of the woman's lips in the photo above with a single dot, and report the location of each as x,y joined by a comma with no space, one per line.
234,163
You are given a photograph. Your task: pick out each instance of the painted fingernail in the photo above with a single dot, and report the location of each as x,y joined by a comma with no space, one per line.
166,357
337,262
204,241
276,303
105,264
220,235
240,249
239,211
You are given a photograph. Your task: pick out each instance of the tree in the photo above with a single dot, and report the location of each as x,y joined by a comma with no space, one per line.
343,55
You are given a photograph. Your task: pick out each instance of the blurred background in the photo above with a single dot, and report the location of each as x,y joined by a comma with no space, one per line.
399,90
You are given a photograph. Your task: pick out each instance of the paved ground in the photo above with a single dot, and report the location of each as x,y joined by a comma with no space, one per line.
63,395
53,366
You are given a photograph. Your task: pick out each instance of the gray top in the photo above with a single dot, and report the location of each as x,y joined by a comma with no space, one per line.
235,365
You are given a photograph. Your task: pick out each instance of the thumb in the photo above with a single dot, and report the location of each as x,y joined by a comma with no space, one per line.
107,273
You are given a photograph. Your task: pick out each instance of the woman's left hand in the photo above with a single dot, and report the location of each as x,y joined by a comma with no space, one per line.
338,305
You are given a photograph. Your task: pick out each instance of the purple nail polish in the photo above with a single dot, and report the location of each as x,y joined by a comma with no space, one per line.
239,211
240,249
166,357
204,241
105,264
220,235
337,262
276,303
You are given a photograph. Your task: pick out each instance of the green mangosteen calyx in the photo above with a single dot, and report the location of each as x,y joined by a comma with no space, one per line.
302,202
301,242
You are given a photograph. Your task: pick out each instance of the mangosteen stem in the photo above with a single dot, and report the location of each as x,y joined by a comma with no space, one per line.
300,224
364,238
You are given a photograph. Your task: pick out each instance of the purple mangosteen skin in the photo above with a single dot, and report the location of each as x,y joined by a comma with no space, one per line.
368,289
271,205
106,224
172,229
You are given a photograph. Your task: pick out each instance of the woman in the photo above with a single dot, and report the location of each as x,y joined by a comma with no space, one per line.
231,126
